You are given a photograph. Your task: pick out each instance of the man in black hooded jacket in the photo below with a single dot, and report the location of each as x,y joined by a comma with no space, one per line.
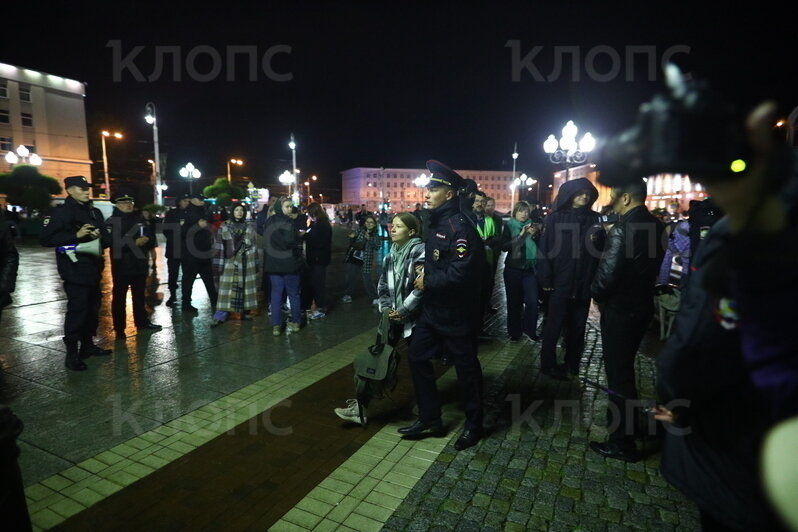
568,254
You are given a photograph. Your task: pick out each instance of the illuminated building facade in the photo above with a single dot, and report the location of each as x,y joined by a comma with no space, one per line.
396,187
46,114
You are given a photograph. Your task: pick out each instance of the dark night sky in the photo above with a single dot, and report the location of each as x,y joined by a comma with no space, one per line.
388,86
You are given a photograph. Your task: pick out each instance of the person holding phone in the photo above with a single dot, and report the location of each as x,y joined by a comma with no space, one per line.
520,277
74,222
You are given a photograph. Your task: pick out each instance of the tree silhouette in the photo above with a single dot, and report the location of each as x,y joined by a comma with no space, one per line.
26,187
224,192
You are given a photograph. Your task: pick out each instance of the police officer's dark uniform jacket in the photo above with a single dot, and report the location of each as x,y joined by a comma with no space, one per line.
174,229
61,230
455,260
129,265
453,268
82,276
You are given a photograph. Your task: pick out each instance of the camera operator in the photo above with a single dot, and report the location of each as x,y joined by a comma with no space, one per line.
731,355
624,289
763,262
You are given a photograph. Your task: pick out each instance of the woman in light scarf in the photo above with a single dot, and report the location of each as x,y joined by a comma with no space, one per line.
396,294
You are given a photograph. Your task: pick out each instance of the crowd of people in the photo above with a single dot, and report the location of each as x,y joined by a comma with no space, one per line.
726,375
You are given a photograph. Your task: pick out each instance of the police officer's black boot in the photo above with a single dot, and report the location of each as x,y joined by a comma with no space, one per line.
88,349
73,360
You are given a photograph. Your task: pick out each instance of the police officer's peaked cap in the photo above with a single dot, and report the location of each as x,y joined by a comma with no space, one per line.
122,195
443,175
470,186
76,181
180,197
196,195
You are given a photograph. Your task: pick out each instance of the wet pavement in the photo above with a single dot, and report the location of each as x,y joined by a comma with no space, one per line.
533,471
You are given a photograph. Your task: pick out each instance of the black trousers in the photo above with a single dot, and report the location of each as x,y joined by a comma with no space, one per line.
571,314
488,283
314,287
462,352
137,284
190,271
622,331
174,270
83,309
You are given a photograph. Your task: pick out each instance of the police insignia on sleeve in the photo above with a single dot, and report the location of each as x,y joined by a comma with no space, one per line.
46,220
436,254
461,247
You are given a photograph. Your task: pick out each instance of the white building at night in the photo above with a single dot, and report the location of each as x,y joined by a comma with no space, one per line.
46,114
374,187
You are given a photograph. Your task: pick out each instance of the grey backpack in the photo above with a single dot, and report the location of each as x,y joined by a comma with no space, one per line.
375,368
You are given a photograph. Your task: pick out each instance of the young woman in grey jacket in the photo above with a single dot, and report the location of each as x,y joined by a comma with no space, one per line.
396,294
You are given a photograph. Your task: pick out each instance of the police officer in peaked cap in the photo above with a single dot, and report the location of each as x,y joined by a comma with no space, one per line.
174,229
450,281
75,222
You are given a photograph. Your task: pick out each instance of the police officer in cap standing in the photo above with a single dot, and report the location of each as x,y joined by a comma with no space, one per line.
197,252
75,222
453,269
173,230
132,239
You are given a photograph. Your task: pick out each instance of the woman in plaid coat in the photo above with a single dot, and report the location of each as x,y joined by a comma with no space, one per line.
235,265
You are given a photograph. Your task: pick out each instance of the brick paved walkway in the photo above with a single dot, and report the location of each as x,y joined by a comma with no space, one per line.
533,470
541,475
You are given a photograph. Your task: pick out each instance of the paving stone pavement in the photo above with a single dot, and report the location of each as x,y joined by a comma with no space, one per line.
534,470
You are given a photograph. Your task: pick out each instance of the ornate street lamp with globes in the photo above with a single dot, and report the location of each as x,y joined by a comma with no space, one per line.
191,172
23,154
567,151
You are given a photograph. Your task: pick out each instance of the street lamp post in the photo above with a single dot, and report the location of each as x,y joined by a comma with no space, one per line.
104,134
521,181
292,145
307,184
151,118
24,154
287,179
567,152
191,172
239,162
421,182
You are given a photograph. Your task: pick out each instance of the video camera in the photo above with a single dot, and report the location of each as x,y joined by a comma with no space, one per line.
691,131
610,218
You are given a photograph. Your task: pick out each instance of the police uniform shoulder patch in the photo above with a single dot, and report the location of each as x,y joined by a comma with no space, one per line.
461,247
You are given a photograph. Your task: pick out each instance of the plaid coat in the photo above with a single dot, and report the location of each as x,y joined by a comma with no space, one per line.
236,268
